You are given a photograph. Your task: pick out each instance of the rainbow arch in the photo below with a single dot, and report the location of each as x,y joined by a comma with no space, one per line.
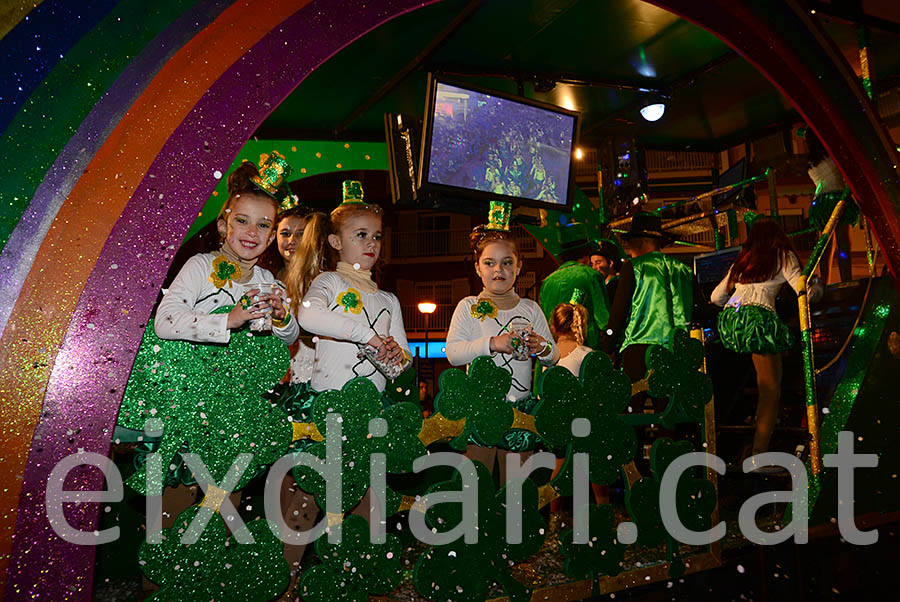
111,147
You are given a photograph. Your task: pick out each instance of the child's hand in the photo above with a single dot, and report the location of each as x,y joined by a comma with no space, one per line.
535,343
278,309
391,350
502,343
241,314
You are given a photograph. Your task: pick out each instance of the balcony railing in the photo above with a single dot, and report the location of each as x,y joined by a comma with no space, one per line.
438,322
446,243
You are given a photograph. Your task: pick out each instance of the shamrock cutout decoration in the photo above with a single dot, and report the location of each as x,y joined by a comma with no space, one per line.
465,572
215,567
695,500
600,395
354,568
209,399
480,398
676,374
358,402
602,554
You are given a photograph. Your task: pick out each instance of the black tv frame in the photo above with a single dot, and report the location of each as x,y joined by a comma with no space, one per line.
427,188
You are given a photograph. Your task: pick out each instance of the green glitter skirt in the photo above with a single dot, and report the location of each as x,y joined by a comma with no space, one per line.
824,204
754,329
517,440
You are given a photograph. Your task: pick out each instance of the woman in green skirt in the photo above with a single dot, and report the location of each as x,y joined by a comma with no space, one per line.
749,324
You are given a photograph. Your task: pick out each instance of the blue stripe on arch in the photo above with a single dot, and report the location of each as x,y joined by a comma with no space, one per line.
37,43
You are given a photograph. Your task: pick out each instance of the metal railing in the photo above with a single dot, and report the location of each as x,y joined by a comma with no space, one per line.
438,322
445,243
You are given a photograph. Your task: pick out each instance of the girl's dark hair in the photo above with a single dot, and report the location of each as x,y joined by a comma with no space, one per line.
482,237
817,152
271,259
765,249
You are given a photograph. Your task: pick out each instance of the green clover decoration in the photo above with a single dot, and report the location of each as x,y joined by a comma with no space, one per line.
462,572
349,301
603,554
358,402
676,374
226,270
695,500
354,568
209,399
600,395
480,398
215,567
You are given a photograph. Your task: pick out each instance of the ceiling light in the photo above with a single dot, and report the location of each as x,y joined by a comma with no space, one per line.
653,112
579,154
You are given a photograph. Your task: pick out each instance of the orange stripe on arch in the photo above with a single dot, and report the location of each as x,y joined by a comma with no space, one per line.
42,313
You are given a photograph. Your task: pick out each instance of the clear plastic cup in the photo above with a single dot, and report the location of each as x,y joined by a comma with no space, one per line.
521,331
265,288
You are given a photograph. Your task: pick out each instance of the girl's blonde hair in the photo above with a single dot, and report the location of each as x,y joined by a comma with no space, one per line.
315,254
569,319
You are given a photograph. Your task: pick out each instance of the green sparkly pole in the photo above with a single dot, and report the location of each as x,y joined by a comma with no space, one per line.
809,373
773,195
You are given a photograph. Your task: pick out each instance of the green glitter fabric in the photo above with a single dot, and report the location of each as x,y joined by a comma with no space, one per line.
354,568
480,398
600,394
215,567
695,500
753,329
464,572
602,555
520,440
676,375
358,402
823,206
209,398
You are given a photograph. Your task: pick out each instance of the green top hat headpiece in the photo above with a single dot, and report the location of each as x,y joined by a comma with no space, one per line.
353,192
498,216
273,170
577,296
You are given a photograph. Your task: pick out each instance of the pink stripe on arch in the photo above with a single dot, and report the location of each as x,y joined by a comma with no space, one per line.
92,367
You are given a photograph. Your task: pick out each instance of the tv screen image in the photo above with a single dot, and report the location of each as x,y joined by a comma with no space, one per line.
497,145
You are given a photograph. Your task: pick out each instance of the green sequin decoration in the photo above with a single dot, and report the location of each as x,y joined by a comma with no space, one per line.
215,567
602,555
209,397
600,395
354,568
464,572
358,402
480,398
676,374
695,500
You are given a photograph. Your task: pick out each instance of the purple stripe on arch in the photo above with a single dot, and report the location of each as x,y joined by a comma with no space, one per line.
92,367
20,250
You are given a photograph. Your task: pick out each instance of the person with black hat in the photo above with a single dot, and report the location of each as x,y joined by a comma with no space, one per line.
576,273
608,261
655,296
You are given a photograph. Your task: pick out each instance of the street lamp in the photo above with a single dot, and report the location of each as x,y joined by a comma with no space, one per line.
427,308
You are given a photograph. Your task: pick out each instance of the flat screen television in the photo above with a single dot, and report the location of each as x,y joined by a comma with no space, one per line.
483,144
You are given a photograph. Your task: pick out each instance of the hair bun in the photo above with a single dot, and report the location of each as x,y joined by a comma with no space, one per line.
476,236
239,180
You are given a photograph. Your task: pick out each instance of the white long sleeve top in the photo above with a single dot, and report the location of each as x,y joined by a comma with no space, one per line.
184,312
340,325
470,336
758,293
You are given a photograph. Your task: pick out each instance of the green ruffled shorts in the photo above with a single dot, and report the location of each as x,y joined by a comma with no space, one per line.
754,329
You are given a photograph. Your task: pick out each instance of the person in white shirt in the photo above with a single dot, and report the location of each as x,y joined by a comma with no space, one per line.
483,325
749,324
